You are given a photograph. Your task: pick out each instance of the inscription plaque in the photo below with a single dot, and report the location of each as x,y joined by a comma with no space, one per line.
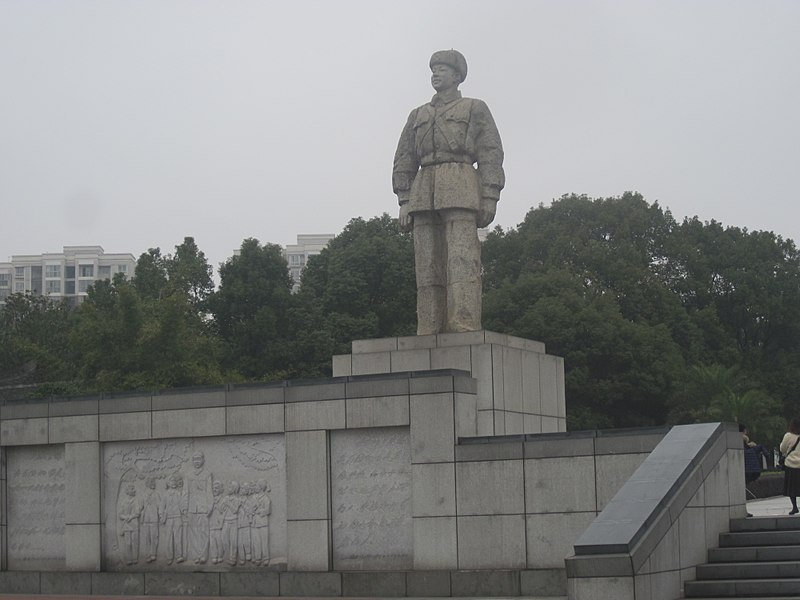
36,504
371,497
202,504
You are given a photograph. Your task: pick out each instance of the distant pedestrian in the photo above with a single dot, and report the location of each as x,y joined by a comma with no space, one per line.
791,474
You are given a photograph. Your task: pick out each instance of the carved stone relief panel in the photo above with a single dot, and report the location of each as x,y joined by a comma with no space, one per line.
202,504
371,498
36,500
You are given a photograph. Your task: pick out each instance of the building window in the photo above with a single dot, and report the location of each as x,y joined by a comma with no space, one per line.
19,271
104,272
69,287
83,285
19,286
85,270
52,271
297,259
4,280
53,286
69,272
122,268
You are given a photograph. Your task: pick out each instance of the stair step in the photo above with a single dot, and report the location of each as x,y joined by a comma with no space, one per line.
777,523
762,570
759,538
753,554
747,588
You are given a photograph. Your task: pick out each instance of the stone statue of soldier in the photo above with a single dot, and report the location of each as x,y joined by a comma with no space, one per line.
448,173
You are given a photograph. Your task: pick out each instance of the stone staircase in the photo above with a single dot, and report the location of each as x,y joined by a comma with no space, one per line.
759,558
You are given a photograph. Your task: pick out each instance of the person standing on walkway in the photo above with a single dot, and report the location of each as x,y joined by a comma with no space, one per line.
791,469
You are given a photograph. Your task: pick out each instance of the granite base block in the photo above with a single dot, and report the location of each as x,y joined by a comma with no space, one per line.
485,583
72,584
181,584
311,584
19,582
427,583
374,584
249,584
122,584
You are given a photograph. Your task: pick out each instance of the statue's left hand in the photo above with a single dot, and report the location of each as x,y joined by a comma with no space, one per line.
487,212
406,220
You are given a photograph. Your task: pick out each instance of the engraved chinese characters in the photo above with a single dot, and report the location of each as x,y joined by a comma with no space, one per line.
195,504
36,507
371,497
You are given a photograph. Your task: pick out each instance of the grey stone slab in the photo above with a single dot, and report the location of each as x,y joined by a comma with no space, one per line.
484,375
23,432
490,488
514,422
688,491
82,470
548,384
415,342
612,472
74,584
258,418
465,384
372,388
249,584
125,426
466,338
531,393
560,485
385,411
19,582
36,492
64,408
24,410
692,537
374,584
342,365
73,429
181,584
551,424
543,582
491,542
371,499
411,360
628,444
435,543
307,475
372,363
193,399
434,489
466,415
561,400
420,584
512,380
550,537
650,539
601,588
374,345
318,391
431,384
498,389
311,584
432,428
324,414
189,423
118,584
485,423
599,565
125,404
665,554
451,357
255,395
82,543
485,583
665,585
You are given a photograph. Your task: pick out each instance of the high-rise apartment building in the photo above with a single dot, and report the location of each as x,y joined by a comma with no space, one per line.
62,275
296,255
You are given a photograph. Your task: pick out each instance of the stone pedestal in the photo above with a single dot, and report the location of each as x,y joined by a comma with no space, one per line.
520,386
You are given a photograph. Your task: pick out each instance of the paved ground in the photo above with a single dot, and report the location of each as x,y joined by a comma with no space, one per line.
769,507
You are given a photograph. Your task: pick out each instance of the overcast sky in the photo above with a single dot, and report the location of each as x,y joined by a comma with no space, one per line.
133,123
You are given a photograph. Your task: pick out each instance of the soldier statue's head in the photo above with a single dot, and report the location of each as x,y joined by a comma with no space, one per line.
442,63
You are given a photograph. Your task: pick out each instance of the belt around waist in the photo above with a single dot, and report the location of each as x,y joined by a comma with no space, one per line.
438,158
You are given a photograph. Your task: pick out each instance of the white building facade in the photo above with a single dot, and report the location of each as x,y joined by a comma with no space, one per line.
65,275
297,255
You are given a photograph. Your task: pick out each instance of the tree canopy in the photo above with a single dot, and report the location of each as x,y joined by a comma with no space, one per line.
659,320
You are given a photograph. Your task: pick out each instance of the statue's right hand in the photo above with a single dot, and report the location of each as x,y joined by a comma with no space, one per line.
406,220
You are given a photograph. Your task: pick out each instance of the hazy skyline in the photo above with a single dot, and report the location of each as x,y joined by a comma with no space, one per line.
132,124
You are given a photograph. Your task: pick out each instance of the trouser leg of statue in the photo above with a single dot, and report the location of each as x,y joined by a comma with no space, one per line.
448,261
429,258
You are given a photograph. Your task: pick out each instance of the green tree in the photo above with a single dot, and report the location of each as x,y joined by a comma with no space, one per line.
251,312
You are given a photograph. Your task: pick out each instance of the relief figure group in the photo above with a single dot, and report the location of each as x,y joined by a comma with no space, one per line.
201,521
